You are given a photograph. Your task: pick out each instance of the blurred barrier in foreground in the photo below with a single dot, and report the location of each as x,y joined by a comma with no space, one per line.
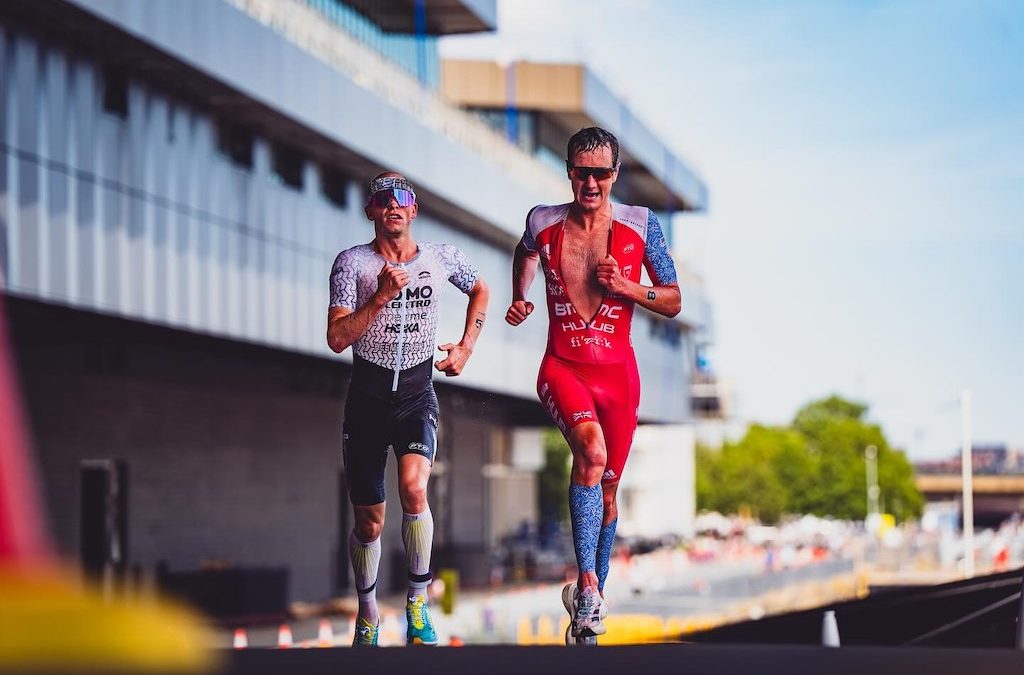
626,629
49,621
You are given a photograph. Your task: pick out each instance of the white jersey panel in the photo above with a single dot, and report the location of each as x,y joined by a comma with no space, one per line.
404,333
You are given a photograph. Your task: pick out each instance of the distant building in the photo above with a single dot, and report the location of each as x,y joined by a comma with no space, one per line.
656,496
993,459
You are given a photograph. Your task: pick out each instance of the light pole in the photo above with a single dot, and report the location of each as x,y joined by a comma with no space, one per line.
871,466
420,18
508,64
967,479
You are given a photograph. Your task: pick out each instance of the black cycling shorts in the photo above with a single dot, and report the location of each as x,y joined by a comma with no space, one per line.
379,421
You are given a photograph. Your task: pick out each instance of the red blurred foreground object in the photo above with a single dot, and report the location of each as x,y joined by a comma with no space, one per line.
51,621
22,541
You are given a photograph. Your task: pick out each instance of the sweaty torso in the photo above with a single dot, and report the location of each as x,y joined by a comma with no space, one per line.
598,330
581,251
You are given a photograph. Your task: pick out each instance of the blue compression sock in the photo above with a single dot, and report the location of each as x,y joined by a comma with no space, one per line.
586,506
604,552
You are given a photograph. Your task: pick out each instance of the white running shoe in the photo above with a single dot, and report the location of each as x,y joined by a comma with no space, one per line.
587,620
569,601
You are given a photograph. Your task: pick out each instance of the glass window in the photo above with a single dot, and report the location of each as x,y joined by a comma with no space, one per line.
235,143
287,164
334,186
115,92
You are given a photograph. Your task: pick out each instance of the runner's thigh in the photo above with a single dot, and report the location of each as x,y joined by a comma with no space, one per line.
566,394
415,429
365,443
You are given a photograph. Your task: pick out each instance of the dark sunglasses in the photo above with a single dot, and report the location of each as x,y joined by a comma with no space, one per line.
382,199
585,172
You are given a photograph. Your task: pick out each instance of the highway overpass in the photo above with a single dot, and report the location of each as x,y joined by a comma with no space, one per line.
995,497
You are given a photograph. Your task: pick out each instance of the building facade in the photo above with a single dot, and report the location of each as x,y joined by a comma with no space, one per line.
175,182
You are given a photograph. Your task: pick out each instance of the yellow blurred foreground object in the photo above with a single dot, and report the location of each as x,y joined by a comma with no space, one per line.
632,629
50,623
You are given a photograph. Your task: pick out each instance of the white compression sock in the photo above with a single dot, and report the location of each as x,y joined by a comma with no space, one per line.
365,561
418,535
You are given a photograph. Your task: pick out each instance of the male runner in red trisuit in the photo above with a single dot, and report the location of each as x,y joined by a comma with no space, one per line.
591,251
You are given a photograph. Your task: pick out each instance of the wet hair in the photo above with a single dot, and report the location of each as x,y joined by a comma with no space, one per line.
592,138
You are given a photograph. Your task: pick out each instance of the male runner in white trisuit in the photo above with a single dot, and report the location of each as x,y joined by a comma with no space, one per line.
384,302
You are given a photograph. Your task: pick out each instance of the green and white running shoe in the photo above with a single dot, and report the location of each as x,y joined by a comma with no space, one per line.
366,633
420,629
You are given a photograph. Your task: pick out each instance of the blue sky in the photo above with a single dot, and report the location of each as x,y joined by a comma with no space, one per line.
866,168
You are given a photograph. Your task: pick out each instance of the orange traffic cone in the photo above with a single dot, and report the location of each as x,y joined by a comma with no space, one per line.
241,640
284,636
325,636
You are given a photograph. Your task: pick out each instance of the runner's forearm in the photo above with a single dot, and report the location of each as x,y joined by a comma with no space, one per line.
524,269
476,313
664,300
344,330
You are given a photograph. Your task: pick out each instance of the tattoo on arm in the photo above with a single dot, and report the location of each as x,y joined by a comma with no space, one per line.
479,320
651,295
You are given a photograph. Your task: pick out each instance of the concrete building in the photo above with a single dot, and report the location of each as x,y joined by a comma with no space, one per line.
175,182
656,495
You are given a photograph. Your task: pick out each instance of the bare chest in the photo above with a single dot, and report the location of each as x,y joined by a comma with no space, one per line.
581,250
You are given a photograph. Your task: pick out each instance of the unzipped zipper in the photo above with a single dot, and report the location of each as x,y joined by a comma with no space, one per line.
401,334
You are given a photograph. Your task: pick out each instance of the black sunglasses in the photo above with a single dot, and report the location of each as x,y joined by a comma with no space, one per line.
585,172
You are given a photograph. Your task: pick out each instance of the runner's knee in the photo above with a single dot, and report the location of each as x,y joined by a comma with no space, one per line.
413,492
592,453
368,531
368,526
589,459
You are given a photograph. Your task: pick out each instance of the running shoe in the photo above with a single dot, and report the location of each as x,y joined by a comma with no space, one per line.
421,628
569,601
366,633
587,620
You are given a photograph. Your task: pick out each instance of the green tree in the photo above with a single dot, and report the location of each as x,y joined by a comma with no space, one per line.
815,465
837,433
706,477
553,482
744,475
